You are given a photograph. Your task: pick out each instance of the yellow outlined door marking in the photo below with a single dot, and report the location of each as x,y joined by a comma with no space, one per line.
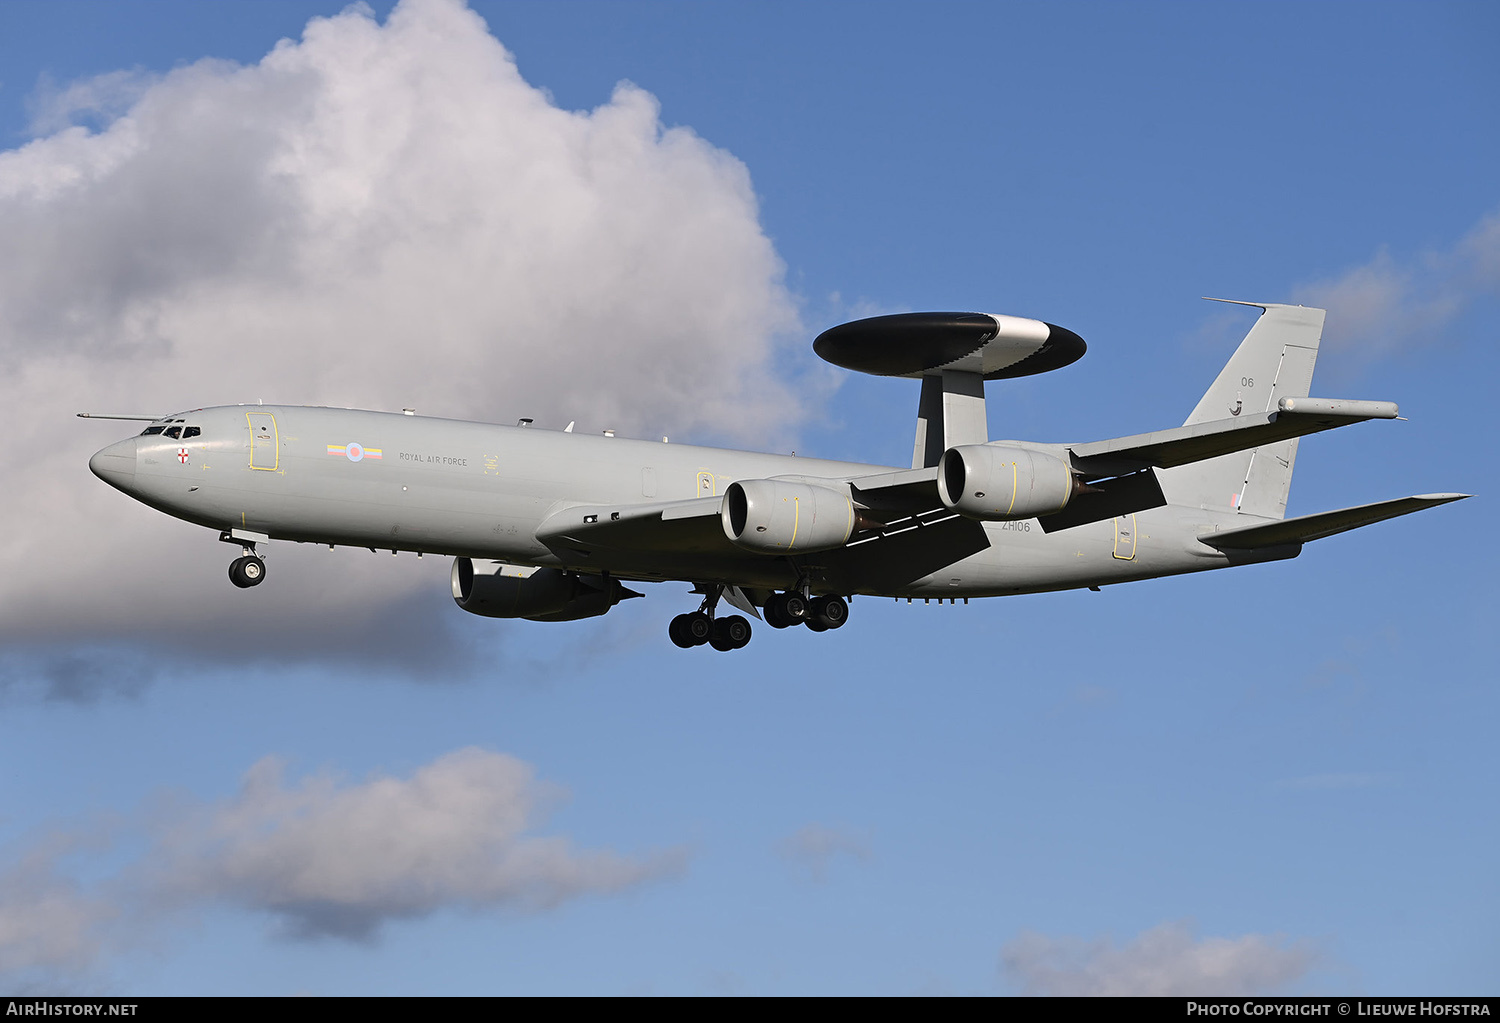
265,446
1125,537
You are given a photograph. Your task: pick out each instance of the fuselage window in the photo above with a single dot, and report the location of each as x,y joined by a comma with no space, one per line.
190,431
150,430
173,432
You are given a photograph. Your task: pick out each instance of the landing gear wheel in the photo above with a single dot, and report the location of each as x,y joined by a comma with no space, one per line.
677,633
247,571
730,633
830,612
776,617
815,625
697,627
794,606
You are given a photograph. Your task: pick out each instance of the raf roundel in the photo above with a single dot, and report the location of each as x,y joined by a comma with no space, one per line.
354,452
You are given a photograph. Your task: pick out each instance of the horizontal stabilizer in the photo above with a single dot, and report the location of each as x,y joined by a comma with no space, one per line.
1315,527
1163,449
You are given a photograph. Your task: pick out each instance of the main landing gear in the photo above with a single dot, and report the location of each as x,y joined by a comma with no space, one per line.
794,607
818,613
698,627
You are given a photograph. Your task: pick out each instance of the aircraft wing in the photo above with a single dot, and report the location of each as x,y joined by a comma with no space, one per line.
1119,471
909,490
1314,527
1294,417
912,495
681,527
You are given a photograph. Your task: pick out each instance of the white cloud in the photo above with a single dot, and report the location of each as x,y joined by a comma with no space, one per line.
377,215
100,98
48,924
332,860
1166,960
323,858
814,846
1389,303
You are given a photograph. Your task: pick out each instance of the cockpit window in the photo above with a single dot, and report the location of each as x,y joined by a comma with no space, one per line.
150,430
173,432
190,431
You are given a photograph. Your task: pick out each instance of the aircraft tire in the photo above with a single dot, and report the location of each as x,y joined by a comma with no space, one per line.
247,571
697,627
831,611
775,616
815,625
719,638
794,606
737,628
677,634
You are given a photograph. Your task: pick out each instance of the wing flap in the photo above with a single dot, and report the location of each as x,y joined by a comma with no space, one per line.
1163,449
1305,528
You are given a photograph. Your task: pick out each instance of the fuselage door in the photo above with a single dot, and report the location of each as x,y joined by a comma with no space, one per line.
265,447
1125,537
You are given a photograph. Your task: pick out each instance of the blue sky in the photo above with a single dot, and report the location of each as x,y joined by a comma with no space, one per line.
1287,768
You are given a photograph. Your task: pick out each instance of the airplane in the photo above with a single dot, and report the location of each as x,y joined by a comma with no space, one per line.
549,525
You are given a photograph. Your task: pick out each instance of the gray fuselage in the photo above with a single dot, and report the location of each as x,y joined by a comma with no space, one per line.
436,486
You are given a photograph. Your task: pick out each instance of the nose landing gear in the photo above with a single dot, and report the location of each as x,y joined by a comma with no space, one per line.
247,571
250,568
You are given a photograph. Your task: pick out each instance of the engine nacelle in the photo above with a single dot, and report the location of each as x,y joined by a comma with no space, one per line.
980,481
783,517
546,595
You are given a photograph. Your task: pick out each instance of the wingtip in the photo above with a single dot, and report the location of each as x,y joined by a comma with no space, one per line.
1235,301
1442,498
1263,306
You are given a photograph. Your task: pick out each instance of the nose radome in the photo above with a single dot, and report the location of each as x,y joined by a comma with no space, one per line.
115,464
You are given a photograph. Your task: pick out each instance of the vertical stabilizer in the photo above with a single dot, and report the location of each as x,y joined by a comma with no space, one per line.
1274,361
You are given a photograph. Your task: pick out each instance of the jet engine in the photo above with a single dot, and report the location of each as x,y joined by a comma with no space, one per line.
982,481
545,595
784,517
